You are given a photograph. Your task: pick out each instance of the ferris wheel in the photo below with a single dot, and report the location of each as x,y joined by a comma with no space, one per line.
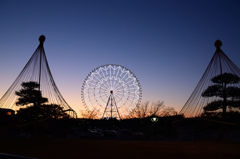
111,90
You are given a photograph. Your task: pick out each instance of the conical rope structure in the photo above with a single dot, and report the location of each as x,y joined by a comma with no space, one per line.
203,95
36,70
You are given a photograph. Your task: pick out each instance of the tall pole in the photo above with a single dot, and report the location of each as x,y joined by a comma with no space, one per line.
41,40
40,68
218,45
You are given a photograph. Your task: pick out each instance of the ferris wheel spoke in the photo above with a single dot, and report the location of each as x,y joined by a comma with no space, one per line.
114,83
105,85
102,87
119,88
104,95
98,78
119,92
116,88
111,82
118,71
117,84
103,73
118,95
120,85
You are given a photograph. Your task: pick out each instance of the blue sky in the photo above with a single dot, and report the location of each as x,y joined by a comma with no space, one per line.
167,44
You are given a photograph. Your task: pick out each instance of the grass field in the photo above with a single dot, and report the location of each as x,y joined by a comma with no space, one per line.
76,148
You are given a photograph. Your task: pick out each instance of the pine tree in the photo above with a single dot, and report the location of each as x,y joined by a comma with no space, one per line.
30,94
223,89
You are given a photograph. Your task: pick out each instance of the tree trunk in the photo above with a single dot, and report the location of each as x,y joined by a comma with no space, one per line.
224,101
224,107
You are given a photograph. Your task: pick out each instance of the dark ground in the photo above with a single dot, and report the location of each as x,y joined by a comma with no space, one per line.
170,137
77,148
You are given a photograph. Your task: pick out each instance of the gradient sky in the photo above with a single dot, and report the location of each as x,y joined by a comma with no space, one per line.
167,44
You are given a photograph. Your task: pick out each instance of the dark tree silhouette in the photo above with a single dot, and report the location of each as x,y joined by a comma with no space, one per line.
146,109
51,111
230,95
31,96
90,114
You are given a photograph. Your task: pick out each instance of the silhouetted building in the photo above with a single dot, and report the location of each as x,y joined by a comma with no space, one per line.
6,112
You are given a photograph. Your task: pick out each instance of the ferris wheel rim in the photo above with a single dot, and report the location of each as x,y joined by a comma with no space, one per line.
113,65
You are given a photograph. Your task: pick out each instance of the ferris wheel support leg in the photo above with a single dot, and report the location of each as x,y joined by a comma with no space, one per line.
111,104
106,107
117,108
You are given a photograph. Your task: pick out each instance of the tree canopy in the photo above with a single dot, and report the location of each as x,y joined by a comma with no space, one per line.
31,97
51,111
224,89
30,94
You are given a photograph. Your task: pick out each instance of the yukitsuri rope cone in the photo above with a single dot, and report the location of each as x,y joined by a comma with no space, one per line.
36,70
201,99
